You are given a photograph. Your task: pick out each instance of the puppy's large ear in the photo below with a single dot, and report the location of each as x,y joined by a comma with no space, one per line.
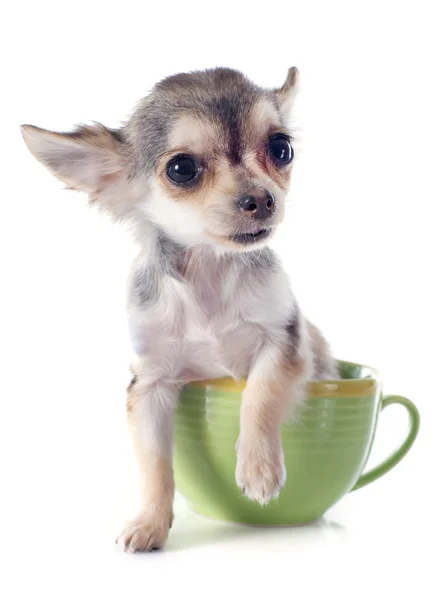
90,158
286,94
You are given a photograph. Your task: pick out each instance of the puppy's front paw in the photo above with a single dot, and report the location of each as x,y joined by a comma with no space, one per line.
146,533
260,472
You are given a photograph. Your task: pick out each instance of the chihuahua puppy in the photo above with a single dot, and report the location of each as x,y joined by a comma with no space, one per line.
200,171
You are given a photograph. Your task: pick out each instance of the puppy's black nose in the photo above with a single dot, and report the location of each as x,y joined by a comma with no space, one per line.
260,206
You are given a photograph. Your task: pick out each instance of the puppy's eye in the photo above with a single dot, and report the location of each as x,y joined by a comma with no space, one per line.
280,149
182,169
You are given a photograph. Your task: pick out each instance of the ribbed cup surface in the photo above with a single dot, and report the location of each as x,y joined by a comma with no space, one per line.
325,449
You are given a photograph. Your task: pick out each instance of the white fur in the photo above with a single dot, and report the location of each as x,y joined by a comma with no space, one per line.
212,323
180,220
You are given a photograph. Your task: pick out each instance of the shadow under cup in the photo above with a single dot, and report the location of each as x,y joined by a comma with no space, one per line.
325,450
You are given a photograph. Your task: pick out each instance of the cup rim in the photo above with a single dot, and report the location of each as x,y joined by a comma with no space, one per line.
361,386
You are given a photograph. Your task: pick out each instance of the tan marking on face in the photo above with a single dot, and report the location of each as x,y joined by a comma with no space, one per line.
267,170
195,134
264,121
199,139
262,169
216,186
197,191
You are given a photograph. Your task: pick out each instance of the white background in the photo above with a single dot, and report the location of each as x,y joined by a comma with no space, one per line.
364,245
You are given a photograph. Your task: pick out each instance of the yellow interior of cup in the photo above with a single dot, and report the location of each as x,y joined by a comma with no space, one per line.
356,380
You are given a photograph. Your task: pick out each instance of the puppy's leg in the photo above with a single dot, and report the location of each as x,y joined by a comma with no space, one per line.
150,412
324,364
274,382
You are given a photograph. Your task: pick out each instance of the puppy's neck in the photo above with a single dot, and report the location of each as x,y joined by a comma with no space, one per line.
170,257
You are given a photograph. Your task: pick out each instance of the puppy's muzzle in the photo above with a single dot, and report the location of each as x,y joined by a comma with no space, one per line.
260,205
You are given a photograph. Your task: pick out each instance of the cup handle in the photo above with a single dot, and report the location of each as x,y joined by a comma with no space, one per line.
394,459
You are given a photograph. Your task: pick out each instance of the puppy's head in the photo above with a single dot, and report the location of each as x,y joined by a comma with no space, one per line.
206,157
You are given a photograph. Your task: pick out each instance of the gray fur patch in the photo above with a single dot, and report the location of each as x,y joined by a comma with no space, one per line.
145,285
132,383
146,278
292,328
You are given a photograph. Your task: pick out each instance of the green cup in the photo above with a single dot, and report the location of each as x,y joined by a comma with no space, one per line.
325,449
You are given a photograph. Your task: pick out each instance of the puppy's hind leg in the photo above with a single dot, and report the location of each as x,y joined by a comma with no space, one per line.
150,413
324,364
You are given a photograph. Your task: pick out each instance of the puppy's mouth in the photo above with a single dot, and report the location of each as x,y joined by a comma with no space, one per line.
250,238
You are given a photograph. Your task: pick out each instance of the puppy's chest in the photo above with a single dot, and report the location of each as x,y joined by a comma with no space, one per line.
210,283
218,340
